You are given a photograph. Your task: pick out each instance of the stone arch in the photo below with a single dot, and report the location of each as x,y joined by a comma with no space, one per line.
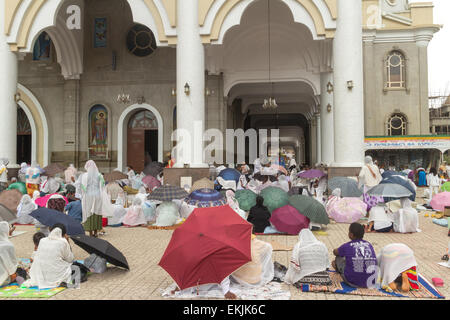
39,125
221,16
122,133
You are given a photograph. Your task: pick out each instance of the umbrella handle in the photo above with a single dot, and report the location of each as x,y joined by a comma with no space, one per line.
93,261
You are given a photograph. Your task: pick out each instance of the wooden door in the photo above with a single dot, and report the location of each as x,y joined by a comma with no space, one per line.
136,149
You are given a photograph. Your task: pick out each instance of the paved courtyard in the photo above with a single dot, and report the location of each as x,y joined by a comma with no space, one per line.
144,248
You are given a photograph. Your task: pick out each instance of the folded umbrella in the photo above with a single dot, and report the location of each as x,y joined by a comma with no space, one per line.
274,198
310,207
11,199
168,193
230,174
53,169
289,220
50,217
311,174
205,198
440,201
114,176
209,246
347,210
246,199
7,215
101,248
151,182
390,190
349,187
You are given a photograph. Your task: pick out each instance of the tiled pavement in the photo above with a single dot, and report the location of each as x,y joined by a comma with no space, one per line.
144,248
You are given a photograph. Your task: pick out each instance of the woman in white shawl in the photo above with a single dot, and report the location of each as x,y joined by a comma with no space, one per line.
25,207
370,175
135,215
406,220
52,264
310,256
259,271
379,219
333,199
70,174
398,268
234,204
8,259
92,185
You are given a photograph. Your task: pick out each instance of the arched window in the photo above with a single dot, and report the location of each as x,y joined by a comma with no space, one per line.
395,70
397,125
42,47
98,132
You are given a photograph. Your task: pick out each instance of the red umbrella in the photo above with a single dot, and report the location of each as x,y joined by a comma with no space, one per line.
288,219
209,246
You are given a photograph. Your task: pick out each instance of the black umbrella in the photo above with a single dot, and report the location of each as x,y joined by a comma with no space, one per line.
50,217
7,215
101,248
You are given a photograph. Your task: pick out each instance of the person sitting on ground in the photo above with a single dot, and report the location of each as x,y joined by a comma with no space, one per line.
355,258
37,237
406,220
70,193
52,265
398,268
74,209
309,261
9,271
259,216
25,207
56,202
135,215
379,219
259,271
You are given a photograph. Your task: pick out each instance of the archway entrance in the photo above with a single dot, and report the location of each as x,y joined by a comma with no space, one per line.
24,134
142,139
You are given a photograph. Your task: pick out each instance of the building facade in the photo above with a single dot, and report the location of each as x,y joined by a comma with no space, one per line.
110,80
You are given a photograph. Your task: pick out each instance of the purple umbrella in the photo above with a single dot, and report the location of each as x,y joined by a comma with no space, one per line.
311,174
287,219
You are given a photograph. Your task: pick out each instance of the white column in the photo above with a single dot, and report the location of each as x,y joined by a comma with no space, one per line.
8,89
318,138
190,71
349,104
326,118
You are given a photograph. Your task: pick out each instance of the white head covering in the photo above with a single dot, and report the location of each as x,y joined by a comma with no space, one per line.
378,213
394,259
368,160
91,186
36,195
308,257
336,192
406,219
227,184
8,259
25,207
166,214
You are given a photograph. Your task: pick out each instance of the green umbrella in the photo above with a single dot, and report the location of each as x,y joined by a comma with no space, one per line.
274,198
310,207
246,199
446,187
18,186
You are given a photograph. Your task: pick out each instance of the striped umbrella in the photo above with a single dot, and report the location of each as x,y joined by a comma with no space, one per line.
246,199
274,198
168,193
310,207
205,198
349,187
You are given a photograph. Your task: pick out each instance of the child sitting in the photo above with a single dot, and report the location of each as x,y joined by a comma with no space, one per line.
354,258
36,239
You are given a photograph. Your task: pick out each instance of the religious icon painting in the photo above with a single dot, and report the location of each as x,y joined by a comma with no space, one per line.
42,47
98,132
100,36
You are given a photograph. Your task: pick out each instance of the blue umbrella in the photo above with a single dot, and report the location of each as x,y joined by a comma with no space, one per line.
50,217
402,182
230,174
205,198
389,173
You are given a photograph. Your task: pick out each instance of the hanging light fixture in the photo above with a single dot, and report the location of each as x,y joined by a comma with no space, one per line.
269,103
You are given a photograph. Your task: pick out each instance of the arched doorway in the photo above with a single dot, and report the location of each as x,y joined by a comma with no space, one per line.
24,137
142,139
